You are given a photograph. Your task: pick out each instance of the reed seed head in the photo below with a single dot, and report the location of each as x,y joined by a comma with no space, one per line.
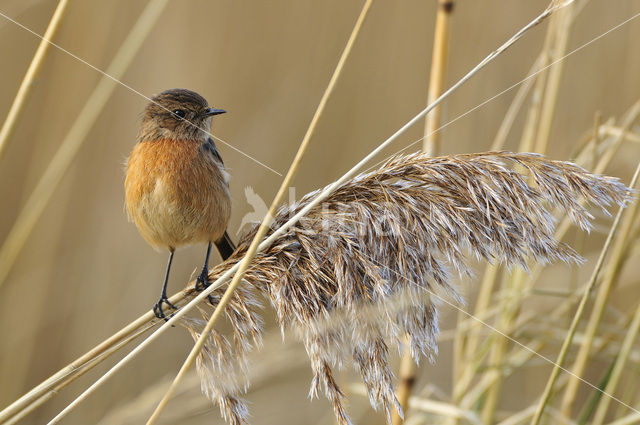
359,272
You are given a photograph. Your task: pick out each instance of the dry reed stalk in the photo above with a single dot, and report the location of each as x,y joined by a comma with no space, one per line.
174,319
459,344
516,105
320,197
46,389
519,357
527,413
630,419
563,19
487,313
51,177
547,12
587,140
538,127
200,298
608,148
273,360
533,113
233,408
609,130
471,341
62,159
434,407
491,273
72,376
458,360
619,247
514,284
630,397
578,315
597,123
472,354
540,114
475,357
519,417
538,130
29,77
437,75
406,382
415,213
516,360
431,146
20,100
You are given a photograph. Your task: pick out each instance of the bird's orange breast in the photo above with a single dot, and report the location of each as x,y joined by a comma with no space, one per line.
176,193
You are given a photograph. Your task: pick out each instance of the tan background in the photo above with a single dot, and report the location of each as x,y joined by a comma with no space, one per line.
85,272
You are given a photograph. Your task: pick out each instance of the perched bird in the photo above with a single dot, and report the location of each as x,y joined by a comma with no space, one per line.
176,185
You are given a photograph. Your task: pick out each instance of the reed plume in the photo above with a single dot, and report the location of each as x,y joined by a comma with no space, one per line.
367,267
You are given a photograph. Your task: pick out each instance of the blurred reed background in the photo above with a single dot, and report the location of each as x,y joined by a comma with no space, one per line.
84,271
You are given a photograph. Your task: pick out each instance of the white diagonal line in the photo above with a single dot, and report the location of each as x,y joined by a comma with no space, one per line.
95,68
515,341
528,77
443,126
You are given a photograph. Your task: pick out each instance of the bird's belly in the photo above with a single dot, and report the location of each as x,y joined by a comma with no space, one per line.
168,218
175,194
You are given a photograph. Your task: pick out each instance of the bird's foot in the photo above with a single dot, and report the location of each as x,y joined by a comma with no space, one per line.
159,311
202,283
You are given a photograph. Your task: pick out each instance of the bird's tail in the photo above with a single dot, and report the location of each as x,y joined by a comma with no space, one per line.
225,246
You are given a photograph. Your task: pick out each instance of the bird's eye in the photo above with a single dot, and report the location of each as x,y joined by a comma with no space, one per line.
179,113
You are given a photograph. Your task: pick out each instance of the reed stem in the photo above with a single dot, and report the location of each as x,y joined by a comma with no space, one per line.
268,219
20,100
579,312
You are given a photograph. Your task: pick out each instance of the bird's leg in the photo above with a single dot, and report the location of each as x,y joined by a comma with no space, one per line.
202,281
157,309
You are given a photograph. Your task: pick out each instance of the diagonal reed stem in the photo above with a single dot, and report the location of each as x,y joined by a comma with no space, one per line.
619,247
431,145
537,129
27,82
313,203
86,367
578,315
618,368
564,19
583,353
52,176
268,219
437,75
467,396
73,141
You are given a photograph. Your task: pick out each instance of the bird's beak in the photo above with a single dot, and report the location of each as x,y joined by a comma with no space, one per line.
211,111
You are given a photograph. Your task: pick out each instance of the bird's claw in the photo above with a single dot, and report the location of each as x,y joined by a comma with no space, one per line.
158,310
202,283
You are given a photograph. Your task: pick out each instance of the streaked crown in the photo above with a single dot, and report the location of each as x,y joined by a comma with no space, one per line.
177,114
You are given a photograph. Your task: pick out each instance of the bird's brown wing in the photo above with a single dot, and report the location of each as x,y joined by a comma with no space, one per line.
210,147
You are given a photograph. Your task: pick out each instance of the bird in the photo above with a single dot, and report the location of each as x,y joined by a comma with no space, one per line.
176,184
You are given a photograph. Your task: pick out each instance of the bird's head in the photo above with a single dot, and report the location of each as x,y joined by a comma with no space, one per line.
177,114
